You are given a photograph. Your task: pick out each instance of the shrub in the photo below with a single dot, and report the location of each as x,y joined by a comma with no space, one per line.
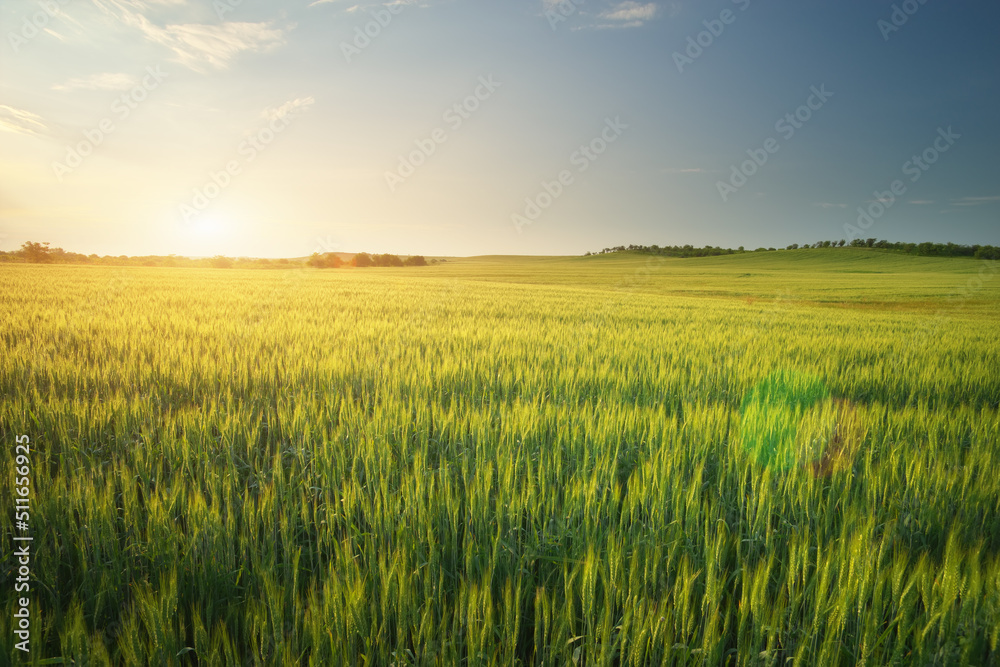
362,259
387,260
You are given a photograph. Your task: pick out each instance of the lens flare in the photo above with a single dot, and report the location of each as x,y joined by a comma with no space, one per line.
787,420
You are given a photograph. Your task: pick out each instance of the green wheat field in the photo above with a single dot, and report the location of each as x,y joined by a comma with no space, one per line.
767,458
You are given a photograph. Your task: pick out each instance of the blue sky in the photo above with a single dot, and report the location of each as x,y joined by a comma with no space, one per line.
281,128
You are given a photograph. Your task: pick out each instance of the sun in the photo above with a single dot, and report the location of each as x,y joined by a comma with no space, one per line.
207,234
208,226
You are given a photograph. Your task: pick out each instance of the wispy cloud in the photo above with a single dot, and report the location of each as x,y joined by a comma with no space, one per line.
146,5
106,81
620,14
687,170
20,121
628,14
291,106
826,204
197,46
53,33
974,201
379,3
921,202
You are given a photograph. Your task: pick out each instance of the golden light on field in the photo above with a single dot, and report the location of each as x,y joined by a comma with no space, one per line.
342,333
483,436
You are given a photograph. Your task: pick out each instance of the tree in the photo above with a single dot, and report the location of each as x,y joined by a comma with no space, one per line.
419,260
36,253
221,262
794,246
362,259
387,260
325,261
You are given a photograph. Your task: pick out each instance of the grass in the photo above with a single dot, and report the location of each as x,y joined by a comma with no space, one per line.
598,460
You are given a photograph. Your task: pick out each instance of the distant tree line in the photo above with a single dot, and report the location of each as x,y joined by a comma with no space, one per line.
332,260
931,249
670,250
42,253
922,249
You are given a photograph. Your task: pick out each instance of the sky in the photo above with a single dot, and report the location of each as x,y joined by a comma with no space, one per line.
273,128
